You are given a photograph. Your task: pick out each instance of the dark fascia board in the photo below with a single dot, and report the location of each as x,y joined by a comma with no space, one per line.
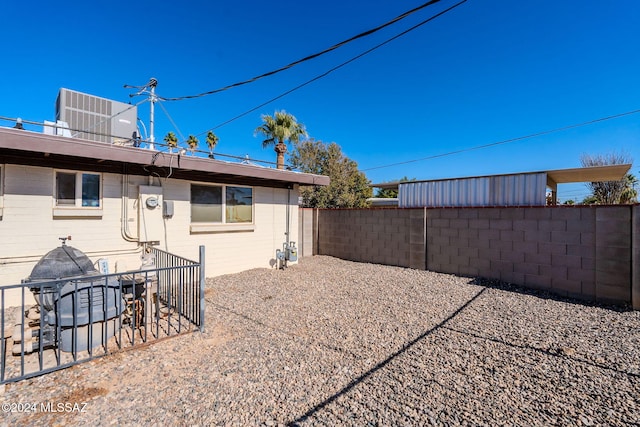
34,144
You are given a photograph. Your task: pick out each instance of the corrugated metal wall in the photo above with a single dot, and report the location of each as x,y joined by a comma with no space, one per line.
504,190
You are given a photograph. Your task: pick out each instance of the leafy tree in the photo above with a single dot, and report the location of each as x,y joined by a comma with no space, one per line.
609,192
192,142
172,140
388,193
278,130
212,141
349,187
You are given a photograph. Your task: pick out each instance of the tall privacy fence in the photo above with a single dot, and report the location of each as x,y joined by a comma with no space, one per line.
77,319
587,252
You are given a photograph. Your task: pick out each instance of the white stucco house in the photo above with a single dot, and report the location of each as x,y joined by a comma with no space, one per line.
112,200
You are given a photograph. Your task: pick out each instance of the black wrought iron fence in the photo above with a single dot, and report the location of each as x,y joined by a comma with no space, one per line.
174,284
60,323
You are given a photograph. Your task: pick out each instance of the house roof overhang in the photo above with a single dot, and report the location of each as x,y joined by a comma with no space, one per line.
558,176
35,149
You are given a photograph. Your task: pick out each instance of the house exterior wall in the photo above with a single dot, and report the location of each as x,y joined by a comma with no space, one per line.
588,252
29,229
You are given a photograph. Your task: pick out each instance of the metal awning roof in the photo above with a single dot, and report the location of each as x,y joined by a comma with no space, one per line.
559,176
590,174
36,149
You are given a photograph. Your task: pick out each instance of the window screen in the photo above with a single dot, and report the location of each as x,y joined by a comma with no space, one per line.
65,189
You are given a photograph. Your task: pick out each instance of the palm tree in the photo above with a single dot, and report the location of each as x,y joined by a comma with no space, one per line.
278,130
212,140
629,193
171,140
192,142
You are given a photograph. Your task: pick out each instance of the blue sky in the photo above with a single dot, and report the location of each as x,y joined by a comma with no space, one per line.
487,71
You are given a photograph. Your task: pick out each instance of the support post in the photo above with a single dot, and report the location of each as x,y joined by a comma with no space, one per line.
202,283
554,190
316,233
635,257
152,98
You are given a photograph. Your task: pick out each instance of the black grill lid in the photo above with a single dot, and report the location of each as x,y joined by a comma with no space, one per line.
63,261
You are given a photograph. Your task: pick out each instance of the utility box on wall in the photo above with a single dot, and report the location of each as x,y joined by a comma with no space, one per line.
150,221
167,208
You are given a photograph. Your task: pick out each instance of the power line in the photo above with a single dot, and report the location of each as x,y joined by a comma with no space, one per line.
326,73
310,57
182,138
506,141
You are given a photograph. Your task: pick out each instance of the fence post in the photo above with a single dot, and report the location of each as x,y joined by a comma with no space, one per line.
202,282
635,257
315,232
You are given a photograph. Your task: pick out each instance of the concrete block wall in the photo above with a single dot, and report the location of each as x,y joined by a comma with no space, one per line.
382,236
567,250
307,230
613,253
588,252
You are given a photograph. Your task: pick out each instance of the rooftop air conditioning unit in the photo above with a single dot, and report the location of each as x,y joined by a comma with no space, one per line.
97,119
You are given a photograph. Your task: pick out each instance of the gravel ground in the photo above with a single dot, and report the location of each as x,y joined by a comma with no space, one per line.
332,342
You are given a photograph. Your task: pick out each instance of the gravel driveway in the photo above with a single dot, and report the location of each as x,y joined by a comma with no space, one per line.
332,342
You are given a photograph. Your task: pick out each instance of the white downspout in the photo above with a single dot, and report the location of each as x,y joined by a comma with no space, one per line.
124,211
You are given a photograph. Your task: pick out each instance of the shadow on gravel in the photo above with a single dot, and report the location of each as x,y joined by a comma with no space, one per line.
282,331
559,352
383,363
510,287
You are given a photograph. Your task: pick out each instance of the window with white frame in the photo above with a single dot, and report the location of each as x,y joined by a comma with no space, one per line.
221,204
77,189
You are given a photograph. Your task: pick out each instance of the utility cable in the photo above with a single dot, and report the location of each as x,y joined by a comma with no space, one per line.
506,141
326,73
310,57
182,138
